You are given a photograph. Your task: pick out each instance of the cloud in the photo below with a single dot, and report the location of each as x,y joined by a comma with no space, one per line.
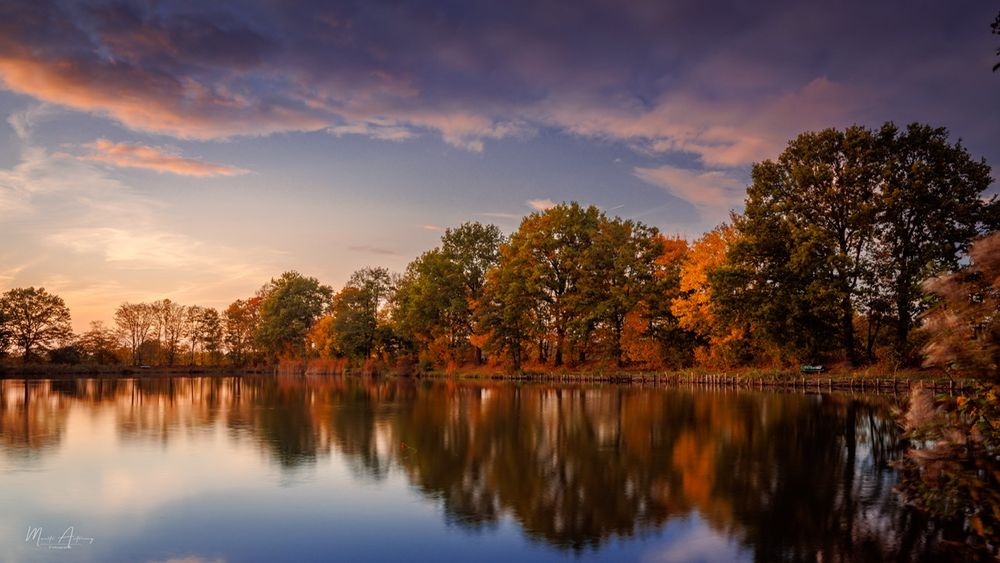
74,229
710,189
436,228
712,80
365,248
156,159
381,130
541,204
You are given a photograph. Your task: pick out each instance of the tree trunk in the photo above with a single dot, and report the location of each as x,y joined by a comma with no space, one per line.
847,326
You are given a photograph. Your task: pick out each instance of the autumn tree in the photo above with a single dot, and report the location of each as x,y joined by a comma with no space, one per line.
35,319
435,300
135,323
626,267
507,316
695,306
240,321
289,306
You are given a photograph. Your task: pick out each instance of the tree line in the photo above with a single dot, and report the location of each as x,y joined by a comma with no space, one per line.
829,262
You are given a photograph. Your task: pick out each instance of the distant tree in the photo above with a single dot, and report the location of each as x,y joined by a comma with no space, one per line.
135,323
69,354
99,344
35,319
241,320
171,323
289,306
210,334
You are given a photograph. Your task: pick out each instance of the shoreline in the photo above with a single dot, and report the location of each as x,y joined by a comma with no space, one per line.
755,379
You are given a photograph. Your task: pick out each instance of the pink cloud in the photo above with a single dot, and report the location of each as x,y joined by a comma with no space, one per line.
541,204
158,160
706,189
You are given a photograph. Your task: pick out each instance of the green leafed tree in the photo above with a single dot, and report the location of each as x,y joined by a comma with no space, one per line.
35,319
289,306
931,207
358,310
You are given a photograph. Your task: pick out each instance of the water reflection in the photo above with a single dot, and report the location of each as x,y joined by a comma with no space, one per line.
785,476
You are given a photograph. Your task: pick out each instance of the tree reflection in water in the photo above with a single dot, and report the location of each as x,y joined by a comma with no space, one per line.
790,476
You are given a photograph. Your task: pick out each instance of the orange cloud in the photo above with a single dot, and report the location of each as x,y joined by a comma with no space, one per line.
178,106
151,158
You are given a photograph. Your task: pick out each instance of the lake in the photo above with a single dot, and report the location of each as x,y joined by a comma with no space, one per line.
350,469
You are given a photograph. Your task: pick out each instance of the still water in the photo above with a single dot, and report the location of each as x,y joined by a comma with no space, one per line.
346,469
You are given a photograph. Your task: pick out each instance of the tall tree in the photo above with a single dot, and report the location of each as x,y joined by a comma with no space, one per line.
357,311
931,208
695,304
171,321
135,323
624,262
210,334
507,316
241,320
551,250
473,248
35,319
290,305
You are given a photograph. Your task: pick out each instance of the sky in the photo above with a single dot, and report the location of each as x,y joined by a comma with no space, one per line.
193,150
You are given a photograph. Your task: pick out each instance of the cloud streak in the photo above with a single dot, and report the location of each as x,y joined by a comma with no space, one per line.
158,160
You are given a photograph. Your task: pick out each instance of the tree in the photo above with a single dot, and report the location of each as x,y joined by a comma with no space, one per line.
695,304
135,323
507,315
99,344
241,320
473,248
931,208
435,299
550,249
624,260
823,189
290,305
357,310
171,322
432,304
35,319
210,333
